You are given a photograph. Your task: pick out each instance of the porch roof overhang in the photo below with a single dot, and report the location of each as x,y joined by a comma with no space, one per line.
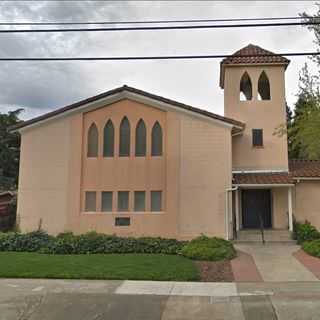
272,179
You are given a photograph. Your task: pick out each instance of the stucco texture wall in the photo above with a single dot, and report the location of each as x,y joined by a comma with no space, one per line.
193,173
43,177
257,114
205,175
280,208
307,202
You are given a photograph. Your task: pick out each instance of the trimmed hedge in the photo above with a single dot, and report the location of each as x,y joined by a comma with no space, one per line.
305,232
210,249
312,247
89,243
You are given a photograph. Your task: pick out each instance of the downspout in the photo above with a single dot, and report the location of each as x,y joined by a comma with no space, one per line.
227,210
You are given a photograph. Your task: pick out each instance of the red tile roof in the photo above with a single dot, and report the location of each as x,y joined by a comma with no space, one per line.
262,178
305,168
297,169
251,54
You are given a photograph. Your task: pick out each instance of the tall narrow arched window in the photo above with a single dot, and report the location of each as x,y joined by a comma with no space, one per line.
93,141
263,87
108,139
245,87
124,145
141,139
156,140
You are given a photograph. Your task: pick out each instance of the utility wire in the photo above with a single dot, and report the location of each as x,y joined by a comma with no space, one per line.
175,57
178,27
150,21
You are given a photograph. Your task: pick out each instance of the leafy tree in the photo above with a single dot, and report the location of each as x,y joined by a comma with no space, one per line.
9,150
304,128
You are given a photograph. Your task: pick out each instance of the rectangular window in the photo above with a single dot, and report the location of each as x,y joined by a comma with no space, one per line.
106,201
139,201
156,200
123,201
123,221
257,137
90,201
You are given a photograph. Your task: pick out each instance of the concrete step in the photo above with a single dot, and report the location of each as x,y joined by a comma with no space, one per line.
277,236
259,242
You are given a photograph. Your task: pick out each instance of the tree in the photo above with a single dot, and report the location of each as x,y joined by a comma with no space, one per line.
304,128
9,150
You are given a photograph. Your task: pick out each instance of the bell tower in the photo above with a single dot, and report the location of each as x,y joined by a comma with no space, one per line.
253,80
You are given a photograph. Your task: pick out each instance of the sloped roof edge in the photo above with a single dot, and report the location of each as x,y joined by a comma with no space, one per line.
129,89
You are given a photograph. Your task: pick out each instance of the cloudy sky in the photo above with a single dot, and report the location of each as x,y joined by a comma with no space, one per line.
43,86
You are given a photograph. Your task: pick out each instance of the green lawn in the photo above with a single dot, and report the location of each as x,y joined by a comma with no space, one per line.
97,266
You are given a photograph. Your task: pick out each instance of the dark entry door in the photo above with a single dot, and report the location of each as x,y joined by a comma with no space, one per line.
256,202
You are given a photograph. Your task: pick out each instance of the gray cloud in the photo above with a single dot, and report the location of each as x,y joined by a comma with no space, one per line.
41,86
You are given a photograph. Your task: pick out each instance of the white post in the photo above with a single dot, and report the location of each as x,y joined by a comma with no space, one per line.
227,215
237,211
290,209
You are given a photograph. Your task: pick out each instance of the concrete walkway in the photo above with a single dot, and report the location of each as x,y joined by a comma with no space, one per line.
276,262
27,299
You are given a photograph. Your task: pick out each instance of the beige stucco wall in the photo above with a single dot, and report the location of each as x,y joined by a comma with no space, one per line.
43,177
307,202
205,176
193,173
280,208
266,115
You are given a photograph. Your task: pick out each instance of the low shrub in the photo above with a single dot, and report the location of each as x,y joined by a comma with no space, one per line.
312,247
210,249
89,243
305,232
24,242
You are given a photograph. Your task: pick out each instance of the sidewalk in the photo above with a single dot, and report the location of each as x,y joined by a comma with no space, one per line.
149,300
275,262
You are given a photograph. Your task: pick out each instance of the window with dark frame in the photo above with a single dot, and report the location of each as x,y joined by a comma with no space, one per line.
90,201
156,200
93,141
141,139
122,221
124,144
106,201
108,140
156,140
257,137
123,200
139,201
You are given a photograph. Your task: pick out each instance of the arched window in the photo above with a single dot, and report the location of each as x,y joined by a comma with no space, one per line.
108,139
245,87
93,144
156,140
263,87
124,145
141,139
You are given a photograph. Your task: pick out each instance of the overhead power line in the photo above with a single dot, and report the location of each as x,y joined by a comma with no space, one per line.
173,57
48,23
177,27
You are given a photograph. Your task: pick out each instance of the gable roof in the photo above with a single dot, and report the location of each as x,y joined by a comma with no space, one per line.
75,106
304,168
251,54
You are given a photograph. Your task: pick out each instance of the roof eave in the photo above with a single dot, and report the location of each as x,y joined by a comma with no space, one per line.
126,92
